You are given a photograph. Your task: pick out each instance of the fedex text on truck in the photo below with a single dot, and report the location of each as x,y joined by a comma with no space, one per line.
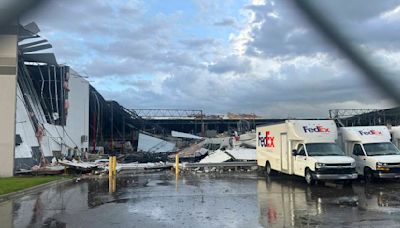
371,132
317,128
267,141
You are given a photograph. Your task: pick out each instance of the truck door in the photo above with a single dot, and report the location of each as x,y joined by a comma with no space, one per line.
284,153
359,156
300,160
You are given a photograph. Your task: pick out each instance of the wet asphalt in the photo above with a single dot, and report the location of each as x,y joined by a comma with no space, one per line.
206,200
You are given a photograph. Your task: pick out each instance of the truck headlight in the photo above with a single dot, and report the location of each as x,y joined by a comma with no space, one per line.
319,165
353,164
381,166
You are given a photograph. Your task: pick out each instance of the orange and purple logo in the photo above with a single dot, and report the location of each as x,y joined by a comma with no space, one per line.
370,132
315,129
267,141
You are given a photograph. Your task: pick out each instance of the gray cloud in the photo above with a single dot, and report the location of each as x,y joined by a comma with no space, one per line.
284,31
295,96
286,70
227,21
230,64
198,43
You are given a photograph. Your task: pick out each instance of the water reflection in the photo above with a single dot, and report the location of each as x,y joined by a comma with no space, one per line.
37,210
287,202
6,210
379,196
112,183
278,202
41,209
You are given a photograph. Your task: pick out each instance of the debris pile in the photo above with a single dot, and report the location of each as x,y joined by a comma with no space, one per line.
216,157
218,154
238,148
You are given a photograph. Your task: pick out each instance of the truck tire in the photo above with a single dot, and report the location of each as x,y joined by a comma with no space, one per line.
368,175
309,178
347,182
268,169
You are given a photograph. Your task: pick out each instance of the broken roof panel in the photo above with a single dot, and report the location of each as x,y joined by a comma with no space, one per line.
243,154
36,48
152,144
48,58
217,157
178,134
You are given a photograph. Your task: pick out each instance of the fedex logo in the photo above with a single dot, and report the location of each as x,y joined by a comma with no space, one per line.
371,132
267,141
317,128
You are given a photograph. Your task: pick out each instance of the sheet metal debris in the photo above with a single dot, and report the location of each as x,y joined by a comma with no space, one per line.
242,154
216,157
178,134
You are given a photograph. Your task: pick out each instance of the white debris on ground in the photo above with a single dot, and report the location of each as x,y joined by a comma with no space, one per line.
218,142
242,154
215,150
148,165
202,151
247,140
140,166
192,151
216,157
77,164
249,143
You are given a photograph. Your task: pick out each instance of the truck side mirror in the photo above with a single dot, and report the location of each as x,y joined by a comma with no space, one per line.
294,152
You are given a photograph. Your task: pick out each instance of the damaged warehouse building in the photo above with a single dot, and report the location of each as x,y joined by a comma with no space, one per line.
51,107
59,114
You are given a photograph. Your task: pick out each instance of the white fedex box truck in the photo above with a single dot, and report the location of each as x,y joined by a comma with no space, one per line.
305,148
370,146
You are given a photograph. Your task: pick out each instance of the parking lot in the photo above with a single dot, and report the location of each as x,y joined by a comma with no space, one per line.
206,200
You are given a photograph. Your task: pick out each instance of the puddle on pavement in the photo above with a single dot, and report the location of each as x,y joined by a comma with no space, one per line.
154,200
293,203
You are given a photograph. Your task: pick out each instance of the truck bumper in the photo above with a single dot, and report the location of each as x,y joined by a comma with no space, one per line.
350,176
385,175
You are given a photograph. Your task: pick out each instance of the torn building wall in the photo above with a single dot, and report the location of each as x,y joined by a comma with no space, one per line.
112,125
46,129
52,85
52,106
152,144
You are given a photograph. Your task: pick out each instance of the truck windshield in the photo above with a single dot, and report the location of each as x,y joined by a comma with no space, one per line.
374,149
323,149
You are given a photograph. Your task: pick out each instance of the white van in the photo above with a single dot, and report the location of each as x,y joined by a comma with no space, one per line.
370,146
305,148
395,134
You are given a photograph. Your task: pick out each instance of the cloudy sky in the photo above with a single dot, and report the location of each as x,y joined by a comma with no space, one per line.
223,56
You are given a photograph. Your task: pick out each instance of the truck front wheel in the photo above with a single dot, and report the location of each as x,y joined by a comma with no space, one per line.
309,178
268,169
368,175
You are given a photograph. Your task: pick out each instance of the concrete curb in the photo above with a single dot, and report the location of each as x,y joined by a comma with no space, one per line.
34,189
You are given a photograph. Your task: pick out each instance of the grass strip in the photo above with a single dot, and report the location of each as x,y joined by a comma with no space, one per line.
13,184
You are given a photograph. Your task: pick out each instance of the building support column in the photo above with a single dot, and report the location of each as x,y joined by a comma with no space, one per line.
8,86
